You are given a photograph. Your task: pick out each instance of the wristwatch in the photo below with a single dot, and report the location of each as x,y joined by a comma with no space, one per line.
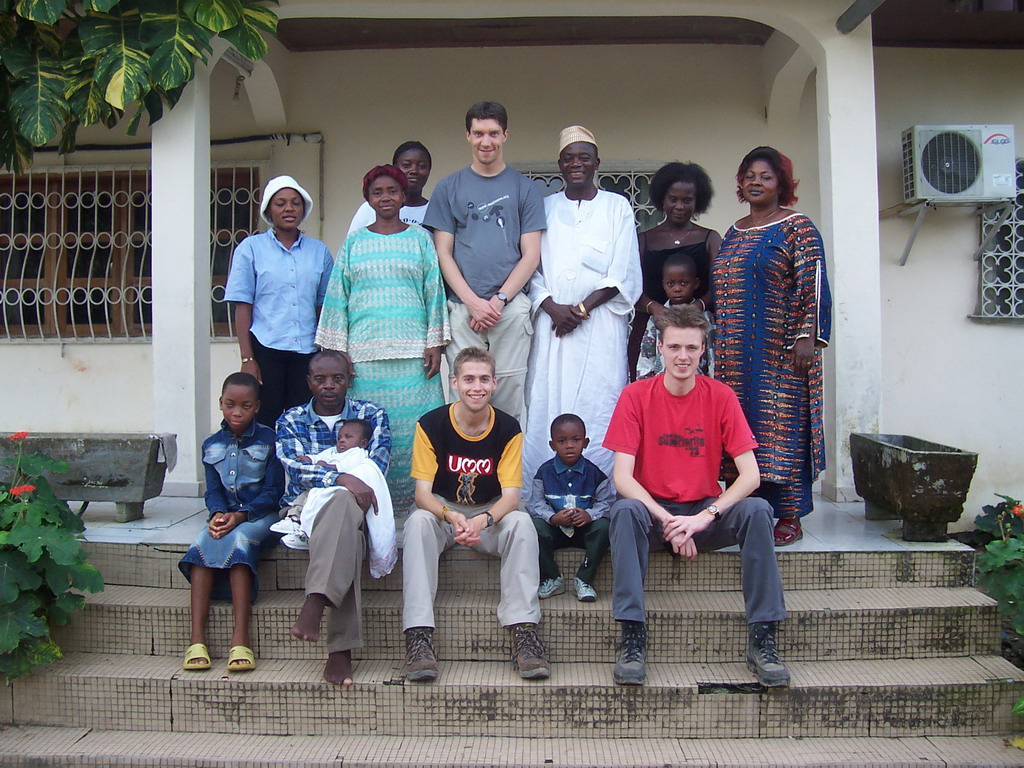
714,511
504,299
490,519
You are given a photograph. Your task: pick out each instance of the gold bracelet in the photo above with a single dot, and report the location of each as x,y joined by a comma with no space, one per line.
647,309
583,310
445,509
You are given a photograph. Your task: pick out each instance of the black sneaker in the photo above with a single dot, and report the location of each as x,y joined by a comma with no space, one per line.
528,653
420,657
763,656
631,668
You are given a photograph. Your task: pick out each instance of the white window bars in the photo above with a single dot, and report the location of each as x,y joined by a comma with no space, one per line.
1001,265
76,249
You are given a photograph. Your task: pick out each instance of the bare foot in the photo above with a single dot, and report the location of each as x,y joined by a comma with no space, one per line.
307,625
339,668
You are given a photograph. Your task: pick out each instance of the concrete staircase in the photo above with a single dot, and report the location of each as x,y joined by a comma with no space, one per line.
894,657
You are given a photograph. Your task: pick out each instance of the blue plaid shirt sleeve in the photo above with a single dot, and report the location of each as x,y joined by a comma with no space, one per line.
296,437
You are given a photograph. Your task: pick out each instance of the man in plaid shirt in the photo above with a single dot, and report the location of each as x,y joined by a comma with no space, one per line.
336,543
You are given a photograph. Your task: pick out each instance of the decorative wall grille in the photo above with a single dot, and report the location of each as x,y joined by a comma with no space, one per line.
76,249
1001,266
633,185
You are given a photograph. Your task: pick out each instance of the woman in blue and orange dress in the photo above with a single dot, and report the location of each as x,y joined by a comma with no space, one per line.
774,315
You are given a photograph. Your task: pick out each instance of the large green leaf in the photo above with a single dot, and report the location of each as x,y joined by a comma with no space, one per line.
86,576
123,66
36,99
18,619
43,11
16,575
176,42
245,36
60,610
215,15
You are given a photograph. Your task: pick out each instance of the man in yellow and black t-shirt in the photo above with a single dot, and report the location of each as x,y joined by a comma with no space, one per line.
467,463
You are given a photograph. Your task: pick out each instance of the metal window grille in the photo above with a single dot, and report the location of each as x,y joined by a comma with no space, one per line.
1001,266
633,185
76,249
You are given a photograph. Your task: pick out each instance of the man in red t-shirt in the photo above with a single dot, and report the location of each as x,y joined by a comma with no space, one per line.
668,434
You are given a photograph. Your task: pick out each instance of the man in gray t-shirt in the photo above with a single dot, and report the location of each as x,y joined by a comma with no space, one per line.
487,221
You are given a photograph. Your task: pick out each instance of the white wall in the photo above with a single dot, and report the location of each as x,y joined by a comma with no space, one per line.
947,378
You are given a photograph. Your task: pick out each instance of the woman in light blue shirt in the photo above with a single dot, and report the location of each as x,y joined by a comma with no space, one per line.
277,283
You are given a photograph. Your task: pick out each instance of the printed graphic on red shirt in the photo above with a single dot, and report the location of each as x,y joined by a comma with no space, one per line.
692,441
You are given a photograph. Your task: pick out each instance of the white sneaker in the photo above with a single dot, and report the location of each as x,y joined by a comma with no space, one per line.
584,592
551,587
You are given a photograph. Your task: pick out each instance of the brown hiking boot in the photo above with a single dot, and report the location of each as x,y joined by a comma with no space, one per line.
420,657
528,653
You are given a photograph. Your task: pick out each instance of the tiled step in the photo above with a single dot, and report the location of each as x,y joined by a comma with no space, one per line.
969,696
284,569
39,747
702,627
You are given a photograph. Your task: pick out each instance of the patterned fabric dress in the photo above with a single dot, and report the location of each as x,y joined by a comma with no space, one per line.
385,305
770,289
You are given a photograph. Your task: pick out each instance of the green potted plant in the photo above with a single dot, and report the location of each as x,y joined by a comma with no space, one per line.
42,564
1001,566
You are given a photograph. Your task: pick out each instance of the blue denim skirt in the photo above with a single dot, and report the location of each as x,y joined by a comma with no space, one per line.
243,544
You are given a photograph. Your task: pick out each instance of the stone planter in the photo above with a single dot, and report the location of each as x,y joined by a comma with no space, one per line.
125,468
923,483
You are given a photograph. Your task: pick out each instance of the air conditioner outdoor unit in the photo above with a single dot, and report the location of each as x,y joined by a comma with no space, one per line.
959,163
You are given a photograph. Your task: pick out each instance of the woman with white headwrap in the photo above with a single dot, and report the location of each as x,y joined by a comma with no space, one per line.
277,283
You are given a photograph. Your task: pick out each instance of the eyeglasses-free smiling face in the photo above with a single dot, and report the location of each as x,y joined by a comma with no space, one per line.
486,140
680,349
475,383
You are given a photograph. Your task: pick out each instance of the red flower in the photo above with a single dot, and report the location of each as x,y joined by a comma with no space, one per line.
1018,510
20,489
18,436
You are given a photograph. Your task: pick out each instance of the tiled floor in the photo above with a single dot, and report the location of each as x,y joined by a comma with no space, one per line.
831,527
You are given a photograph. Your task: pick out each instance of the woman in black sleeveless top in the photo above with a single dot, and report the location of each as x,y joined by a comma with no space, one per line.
680,191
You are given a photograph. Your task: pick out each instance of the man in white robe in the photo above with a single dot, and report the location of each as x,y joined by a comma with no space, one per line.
583,297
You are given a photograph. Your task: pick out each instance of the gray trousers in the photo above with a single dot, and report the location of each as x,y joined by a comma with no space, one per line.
336,547
513,539
748,523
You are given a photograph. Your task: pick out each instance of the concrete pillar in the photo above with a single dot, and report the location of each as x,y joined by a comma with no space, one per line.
849,223
181,281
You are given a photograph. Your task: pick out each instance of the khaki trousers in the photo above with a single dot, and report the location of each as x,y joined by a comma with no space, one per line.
513,539
508,341
336,547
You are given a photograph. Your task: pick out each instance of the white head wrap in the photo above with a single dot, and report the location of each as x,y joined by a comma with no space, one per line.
274,186
573,134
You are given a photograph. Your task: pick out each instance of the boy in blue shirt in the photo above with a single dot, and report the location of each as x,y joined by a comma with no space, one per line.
569,505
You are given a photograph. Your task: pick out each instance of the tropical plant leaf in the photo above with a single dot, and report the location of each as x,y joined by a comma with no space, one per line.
101,6
215,15
16,576
175,40
36,100
43,11
123,66
18,619
245,36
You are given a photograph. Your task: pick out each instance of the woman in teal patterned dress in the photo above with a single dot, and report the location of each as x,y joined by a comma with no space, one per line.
385,307
774,315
